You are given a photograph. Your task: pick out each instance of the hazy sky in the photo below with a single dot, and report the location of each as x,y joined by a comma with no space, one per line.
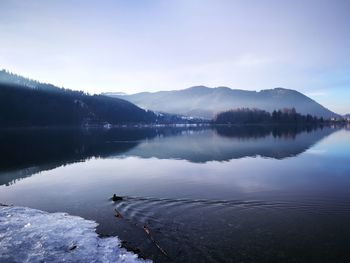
149,45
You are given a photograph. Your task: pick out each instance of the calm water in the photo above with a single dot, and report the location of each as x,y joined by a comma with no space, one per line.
224,194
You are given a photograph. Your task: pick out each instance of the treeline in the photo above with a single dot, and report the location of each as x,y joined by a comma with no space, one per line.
25,106
256,116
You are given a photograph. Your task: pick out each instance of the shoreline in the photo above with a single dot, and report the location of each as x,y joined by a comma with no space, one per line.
32,234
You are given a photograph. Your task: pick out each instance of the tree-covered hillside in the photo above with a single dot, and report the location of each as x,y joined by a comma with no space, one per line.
24,102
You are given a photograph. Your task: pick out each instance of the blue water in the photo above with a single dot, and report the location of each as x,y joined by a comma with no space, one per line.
224,194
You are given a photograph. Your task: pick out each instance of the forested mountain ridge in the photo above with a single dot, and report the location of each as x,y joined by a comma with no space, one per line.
25,102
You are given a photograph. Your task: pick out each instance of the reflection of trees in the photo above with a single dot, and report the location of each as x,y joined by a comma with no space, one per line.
291,131
25,148
231,142
259,131
32,147
29,151
243,132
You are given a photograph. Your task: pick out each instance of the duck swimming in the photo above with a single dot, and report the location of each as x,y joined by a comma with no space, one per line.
116,198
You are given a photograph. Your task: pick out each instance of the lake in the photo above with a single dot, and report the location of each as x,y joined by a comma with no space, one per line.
206,194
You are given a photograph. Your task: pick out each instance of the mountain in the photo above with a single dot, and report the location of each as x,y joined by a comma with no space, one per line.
25,102
201,101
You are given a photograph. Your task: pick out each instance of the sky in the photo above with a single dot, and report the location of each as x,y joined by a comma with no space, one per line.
149,45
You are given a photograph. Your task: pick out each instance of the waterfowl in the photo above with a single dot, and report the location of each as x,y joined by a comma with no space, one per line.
116,198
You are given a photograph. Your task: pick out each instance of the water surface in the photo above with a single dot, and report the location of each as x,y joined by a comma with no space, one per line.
222,194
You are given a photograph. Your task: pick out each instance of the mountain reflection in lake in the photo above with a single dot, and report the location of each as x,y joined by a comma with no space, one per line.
199,190
36,149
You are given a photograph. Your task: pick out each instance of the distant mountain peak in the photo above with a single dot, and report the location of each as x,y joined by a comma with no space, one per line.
199,87
205,102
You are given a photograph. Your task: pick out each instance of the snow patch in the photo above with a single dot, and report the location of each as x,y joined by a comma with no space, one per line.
30,235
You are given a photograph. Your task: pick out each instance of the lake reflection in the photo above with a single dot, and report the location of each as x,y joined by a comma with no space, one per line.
25,152
222,194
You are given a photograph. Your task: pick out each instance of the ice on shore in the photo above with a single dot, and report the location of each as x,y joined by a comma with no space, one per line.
30,235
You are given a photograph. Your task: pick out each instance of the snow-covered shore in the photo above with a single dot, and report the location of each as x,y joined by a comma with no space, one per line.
30,235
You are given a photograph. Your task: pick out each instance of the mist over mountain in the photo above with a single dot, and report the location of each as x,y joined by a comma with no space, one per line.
201,101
